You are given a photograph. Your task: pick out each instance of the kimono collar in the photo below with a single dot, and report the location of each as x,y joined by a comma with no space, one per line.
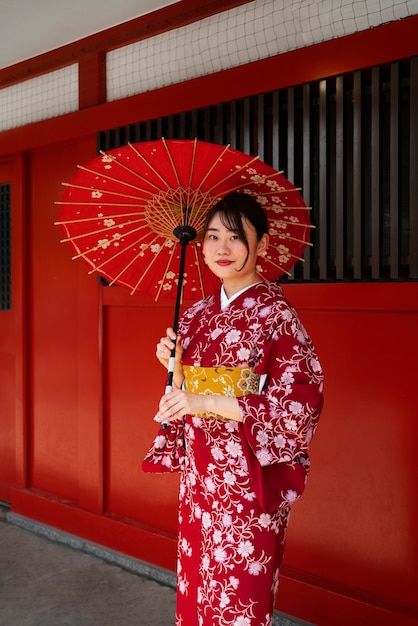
225,301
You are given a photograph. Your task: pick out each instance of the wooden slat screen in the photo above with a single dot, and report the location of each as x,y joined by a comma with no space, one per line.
5,249
350,142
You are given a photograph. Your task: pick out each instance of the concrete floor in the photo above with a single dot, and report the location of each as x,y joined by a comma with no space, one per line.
51,578
44,583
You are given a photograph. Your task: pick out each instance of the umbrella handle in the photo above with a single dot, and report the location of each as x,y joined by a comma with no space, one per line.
185,234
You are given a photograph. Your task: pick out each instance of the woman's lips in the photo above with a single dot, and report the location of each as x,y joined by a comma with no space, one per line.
223,263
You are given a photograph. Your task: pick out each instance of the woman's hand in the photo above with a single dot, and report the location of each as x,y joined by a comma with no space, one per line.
178,403
163,351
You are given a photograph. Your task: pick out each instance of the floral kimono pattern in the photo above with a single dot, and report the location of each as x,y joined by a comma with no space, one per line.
239,479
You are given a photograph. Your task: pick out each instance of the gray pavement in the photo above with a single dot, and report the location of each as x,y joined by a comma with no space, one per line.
51,578
44,583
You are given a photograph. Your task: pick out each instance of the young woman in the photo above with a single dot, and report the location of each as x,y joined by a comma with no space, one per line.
245,404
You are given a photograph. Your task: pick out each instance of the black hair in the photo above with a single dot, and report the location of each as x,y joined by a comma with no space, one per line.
232,208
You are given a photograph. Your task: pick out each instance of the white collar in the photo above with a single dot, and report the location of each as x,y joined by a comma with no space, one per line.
225,301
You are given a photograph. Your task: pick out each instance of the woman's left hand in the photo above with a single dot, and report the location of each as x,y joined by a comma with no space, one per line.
177,403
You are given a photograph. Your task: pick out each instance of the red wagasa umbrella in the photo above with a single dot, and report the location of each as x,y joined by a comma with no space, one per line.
126,212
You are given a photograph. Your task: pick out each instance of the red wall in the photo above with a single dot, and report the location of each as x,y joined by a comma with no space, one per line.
53,337
80,386
358,515
93,390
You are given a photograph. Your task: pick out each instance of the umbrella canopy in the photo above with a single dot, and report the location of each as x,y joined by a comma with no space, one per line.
122,210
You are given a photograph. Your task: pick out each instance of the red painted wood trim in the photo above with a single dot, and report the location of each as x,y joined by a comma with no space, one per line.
127,536
92,79
20,309
384,44
350,296
377,296
154,23
90,391
328,606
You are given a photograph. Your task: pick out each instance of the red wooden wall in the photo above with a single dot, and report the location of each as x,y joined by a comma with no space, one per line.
80,385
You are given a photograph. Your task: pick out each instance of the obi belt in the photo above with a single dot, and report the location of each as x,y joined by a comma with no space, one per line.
271,483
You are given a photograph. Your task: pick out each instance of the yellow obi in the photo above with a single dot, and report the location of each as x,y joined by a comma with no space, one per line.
223,381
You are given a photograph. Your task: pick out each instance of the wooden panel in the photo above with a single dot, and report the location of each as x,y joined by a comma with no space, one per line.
133,384
233,124
113,531
394,167
306,184
339,179
375,175
290,172
5,247
413,169
57,393
246,129
348,145
357,166
275,128
260,127
323,186
7,358
346,523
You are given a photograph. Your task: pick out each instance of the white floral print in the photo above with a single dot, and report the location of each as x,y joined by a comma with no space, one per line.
233,336
231,576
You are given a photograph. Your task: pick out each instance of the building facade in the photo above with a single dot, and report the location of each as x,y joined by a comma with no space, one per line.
329,95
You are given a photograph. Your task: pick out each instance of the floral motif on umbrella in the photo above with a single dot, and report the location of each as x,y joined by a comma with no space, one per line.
120,211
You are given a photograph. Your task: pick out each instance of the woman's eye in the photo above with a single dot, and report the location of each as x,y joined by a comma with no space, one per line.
235,237
212,237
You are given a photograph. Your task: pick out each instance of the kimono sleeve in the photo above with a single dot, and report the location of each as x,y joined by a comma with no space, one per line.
279,422
167,451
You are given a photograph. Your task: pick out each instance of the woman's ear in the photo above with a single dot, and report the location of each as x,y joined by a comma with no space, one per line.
262,245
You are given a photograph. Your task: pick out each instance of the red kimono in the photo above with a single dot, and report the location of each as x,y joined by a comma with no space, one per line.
239,479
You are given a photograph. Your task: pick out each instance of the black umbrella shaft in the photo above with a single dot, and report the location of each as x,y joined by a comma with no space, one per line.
184,234
183,245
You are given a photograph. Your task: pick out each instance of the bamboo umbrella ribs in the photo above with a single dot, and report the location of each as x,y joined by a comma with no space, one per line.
125,212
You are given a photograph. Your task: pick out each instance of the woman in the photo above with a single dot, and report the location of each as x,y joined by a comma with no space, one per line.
245,404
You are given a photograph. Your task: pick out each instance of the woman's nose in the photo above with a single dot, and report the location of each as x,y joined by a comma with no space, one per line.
223,247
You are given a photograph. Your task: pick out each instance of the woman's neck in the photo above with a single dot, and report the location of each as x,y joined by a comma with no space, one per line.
231,287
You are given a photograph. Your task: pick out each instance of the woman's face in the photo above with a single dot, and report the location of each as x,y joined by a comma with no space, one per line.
225,253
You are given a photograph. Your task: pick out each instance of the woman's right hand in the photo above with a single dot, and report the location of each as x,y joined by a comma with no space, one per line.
163,351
